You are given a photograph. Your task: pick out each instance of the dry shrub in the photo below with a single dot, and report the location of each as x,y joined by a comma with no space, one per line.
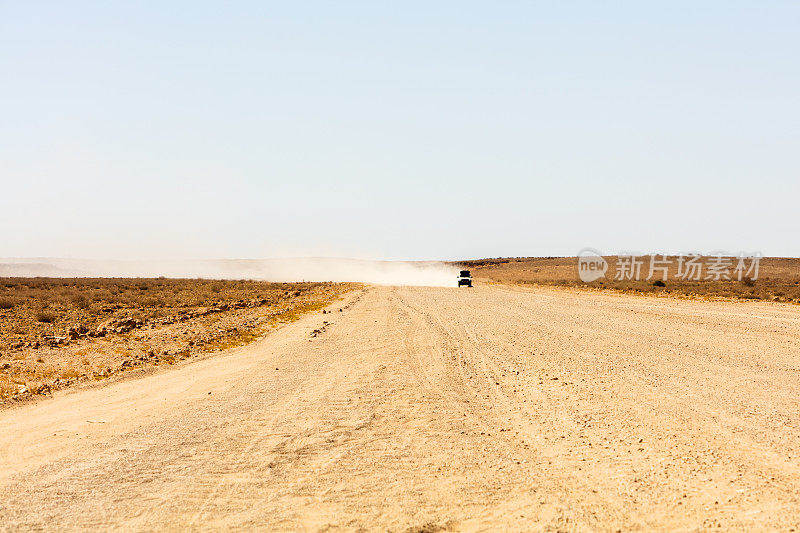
70,373
7,302
46,316
80,301
7,388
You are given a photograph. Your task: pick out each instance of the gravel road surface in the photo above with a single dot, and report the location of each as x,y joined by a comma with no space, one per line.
425,409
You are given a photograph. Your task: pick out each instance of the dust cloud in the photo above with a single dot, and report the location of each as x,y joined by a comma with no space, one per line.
423,273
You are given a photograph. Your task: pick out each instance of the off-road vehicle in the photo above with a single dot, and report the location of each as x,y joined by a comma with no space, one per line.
464,279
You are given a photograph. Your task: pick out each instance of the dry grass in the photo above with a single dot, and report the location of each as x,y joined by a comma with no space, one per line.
7,387
778,280
9,303
31,308
170,320
46,316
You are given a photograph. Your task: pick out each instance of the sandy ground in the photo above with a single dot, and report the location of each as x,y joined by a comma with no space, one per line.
434,408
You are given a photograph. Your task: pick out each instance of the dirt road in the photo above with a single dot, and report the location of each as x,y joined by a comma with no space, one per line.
428,408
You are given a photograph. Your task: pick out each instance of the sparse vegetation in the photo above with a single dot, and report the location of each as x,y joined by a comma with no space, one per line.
7,387
54,332
9,303
778,279
46,315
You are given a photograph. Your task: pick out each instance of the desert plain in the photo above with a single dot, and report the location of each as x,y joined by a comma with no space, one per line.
511,406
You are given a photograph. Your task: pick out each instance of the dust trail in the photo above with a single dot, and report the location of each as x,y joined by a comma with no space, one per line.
423,273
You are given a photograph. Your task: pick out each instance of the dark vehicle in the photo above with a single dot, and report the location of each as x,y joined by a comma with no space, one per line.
464,279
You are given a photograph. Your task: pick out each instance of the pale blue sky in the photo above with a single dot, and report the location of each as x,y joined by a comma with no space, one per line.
422,130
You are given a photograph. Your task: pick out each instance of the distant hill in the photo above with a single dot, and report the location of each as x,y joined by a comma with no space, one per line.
33,270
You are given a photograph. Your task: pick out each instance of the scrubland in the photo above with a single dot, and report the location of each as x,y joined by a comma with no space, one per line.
56,332
778,278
